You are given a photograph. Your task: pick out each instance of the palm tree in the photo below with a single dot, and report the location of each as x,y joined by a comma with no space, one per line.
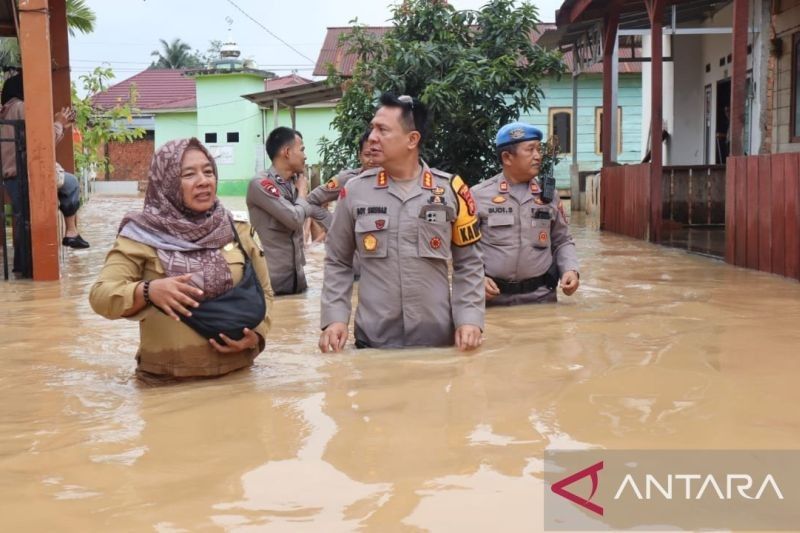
176,54
80,17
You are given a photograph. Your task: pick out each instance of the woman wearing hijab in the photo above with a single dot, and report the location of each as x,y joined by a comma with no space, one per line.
69,200
179,261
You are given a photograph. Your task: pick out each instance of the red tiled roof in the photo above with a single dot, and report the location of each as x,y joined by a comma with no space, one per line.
332,52
281,82
183,103
157,89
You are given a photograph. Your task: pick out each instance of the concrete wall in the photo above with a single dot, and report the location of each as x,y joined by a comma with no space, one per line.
222,110
313,121
171,126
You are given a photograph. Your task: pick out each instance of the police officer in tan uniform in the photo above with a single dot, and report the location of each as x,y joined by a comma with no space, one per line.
408,223
329,191
526,244
275,200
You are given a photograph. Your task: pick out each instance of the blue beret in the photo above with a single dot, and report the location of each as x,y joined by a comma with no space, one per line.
517,132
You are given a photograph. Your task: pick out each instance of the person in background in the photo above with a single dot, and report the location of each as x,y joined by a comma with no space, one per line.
12,99
278,210
329,191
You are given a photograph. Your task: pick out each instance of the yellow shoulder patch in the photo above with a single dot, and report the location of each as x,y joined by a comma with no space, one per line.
466,228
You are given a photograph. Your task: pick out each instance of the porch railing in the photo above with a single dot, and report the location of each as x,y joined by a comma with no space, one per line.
16,187
694,195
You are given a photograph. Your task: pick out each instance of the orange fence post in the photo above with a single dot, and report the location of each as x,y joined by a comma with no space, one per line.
34,43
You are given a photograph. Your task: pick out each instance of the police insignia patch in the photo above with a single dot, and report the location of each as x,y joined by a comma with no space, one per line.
370,242
439,200
427,180
270,188
342,193
436,243
498,199
504,186
542,236
438,191
332,183
383,180
517,133
466,227
380,224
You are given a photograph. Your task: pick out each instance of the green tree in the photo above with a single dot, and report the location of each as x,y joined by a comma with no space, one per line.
80,17
475,70
176,54
99,126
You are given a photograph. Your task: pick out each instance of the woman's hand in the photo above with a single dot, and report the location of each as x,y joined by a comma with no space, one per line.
174,295
66,116
248,342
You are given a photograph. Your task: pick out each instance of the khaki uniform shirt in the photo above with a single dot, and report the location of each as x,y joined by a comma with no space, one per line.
521,235
278,214
329,192
405,244
167,347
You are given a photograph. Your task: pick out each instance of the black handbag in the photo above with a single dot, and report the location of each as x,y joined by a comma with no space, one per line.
243,306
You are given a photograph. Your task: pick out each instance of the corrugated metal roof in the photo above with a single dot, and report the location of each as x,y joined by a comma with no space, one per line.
158,89
291,80
334,54
344,64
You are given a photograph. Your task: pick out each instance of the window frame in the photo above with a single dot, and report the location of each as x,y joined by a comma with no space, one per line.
551,125
205,137
598,124
228,137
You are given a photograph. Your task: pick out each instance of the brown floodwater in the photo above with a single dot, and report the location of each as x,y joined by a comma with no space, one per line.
658,349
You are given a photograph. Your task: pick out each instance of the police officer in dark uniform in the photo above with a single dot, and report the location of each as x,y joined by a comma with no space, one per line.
526,245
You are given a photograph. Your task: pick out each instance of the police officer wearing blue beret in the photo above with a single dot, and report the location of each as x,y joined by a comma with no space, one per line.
526,245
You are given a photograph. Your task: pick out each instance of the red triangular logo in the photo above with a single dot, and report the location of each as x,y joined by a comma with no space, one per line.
592,471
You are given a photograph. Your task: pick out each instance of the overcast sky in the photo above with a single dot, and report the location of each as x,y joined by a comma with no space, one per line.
128,30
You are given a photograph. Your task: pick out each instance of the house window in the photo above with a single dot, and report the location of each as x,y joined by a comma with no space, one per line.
561,128
211,137
233,136
598,130
795,107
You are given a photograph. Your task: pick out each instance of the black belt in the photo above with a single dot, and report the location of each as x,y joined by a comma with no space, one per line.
549,279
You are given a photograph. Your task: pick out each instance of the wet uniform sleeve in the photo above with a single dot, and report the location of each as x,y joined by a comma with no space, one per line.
337,285
263,194
112,293
563,246
326,193
468,296
261,268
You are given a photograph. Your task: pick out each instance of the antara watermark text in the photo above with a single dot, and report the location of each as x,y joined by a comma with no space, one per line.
696,486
